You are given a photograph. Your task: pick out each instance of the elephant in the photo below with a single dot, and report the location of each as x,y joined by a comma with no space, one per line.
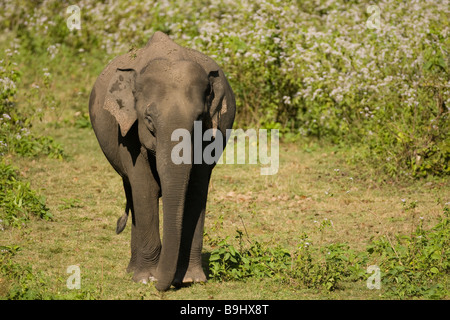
136,103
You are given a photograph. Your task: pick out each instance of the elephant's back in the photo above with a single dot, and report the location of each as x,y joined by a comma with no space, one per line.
160,46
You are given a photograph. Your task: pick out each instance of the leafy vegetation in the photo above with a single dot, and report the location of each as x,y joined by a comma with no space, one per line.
15,127
228,263
17,199
415,265
27,284
18,202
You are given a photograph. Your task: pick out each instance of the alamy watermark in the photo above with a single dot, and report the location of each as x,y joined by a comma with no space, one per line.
74,280
374,21
74,21
374,281
214,151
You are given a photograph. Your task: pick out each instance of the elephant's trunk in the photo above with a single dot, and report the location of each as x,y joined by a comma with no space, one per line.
174,185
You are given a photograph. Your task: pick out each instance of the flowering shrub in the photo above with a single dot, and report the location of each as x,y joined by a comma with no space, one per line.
306,68
18,201
15,134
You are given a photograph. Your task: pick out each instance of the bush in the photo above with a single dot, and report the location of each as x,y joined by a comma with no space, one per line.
228,263
18,202
324,267
15,128
308,266
417,264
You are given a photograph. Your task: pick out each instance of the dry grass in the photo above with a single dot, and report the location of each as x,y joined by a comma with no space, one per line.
311,187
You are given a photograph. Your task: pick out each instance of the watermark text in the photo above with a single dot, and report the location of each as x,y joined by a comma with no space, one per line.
236,147
74,21
74,280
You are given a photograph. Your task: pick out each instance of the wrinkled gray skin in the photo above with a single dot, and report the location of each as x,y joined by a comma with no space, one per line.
138,100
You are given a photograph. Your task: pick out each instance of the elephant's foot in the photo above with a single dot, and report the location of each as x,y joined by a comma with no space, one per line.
193,275
143,270
144,277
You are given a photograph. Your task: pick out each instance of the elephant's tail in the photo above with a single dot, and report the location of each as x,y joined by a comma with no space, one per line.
122,222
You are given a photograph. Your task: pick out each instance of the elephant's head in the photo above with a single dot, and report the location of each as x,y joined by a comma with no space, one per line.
162,96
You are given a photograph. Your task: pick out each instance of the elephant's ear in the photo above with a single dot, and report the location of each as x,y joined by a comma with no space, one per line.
218,105
120,99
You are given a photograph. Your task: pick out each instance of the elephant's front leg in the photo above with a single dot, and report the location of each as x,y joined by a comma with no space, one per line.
190,262
145,238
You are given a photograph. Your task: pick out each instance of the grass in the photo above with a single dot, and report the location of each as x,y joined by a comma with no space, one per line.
314,183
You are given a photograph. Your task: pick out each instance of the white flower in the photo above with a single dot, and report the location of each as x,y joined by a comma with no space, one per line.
53,50
7,83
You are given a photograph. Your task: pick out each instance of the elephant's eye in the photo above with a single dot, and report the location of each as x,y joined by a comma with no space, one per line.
150,125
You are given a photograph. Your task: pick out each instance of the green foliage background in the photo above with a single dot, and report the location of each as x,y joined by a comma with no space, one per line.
306,68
